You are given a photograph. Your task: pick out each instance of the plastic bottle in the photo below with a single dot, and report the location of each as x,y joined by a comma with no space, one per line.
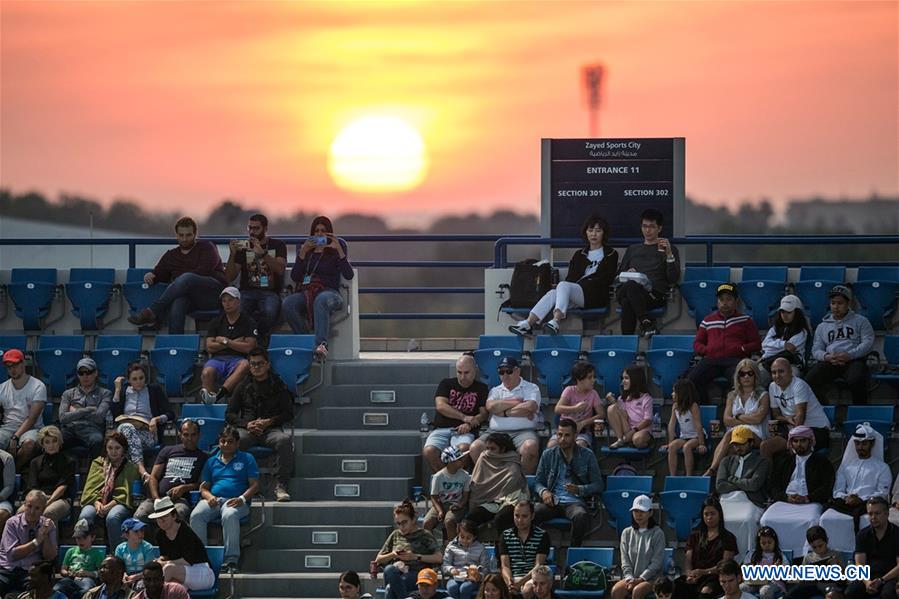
425,422
656,424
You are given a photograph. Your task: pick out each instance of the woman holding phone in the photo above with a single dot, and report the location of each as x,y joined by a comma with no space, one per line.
321,261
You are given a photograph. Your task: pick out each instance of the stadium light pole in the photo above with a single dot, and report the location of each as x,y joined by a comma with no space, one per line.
591,77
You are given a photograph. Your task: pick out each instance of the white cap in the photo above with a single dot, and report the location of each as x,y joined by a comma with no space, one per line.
642,503
232,291
790,302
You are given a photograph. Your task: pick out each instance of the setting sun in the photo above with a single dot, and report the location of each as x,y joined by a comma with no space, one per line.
378,154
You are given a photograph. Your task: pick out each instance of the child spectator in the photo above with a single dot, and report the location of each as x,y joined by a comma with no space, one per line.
449,492
663,588
135,552
581,403
766,553
685,413
81,564
465,561
820,555
631,416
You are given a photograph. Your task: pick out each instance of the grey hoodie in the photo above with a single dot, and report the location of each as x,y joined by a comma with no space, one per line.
853,334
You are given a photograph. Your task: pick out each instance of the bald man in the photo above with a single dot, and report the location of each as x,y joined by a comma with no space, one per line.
460,409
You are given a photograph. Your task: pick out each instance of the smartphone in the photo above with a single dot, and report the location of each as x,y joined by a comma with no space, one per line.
243,244
320,240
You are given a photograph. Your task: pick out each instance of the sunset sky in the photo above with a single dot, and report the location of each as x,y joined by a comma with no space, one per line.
176,104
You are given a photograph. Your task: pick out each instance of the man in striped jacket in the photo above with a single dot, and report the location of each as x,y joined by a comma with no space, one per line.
723,339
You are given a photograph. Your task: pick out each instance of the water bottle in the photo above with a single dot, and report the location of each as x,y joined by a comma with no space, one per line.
137,490
494,567
656,425
425,422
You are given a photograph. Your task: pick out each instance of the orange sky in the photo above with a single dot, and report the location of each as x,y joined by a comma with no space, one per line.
181,104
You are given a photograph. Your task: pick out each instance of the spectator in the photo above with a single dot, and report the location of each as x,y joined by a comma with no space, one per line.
229,480
135,552
260,261
350,586
40,583
723,338
426,581
494,587
81,563
8,465
729,578
788,337
22,399
747,405
449,493
176,473
28,538
766,553
406,551
83,410
321,261
514,407
707,546
155,586
566,475
465,561
112,585
642,552
522,548
877,545
229,339
631,415
542,577
842,343
687,421
590,275
497,483
460,411
581,403
742,484
182,554
801,484
862,475
107,490
195,275
259,408
142,414
793,404
659,262
53,473
894,502
819,555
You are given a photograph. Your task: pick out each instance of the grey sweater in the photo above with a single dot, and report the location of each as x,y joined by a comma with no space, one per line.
642,553
753,480
652,263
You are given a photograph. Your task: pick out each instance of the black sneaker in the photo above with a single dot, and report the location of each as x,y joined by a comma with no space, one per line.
230,568
648,327
221,395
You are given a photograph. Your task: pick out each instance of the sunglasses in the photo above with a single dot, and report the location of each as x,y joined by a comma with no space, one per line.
86,372
504,371
747,373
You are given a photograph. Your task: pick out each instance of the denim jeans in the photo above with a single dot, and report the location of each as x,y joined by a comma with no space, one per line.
186,293
114,519
230,518
263,306
325,303
401,585
462,590
81,434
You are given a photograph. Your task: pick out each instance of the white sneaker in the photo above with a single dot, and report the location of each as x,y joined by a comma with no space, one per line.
281,493
522,328
552,327
206,397
321,352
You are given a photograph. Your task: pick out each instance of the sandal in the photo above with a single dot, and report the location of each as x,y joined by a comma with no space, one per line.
618,444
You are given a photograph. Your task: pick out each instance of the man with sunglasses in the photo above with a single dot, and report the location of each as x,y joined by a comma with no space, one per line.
83,410
22,399
259,408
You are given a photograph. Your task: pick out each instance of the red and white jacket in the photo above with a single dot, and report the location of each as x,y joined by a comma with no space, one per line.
734,337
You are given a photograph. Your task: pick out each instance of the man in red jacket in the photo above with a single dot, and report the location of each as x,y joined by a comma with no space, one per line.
723,339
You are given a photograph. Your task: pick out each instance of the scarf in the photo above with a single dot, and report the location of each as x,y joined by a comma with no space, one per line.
309,292
497,478
110,473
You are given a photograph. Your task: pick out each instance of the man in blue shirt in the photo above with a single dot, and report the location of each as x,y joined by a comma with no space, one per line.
566,475
230,479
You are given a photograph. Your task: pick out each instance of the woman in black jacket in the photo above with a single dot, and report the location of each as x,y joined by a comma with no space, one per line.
590,274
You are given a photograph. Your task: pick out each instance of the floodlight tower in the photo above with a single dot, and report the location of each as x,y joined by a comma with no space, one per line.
592,82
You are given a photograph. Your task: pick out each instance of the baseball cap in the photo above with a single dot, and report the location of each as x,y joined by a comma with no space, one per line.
232,291
451,454
132,524
788,303
508,362
642,503
426,576
81,529
727,288
840,290
741,434
13,356
87,363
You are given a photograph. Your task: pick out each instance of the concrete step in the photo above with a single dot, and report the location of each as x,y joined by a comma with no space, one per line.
394,372
361,465
370,418
360,394
325,537
374,489
349,513
308,561
360,442
307,585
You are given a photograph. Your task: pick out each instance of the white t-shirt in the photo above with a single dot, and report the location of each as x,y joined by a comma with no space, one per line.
798,484
448,488
798,392
16,403
526,389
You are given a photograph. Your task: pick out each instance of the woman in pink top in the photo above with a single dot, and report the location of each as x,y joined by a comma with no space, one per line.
581,403
631,416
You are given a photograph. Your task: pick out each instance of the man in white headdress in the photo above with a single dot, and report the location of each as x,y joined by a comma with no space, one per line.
861,476
801,484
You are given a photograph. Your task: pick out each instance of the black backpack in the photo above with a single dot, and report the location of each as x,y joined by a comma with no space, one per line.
530,281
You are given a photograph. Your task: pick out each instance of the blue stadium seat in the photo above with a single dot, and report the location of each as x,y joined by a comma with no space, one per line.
875,289
202,410
139,294
19,342
609,364
113,353
491,350
56,357
554,359
210,417
681,500
216,554
641,484
672,342
291,357
890,372
822,273
668,365
32,291
813,288
698,289
47,415
174,357
760,291
831,412
89,290
618,498
602,556
622,342
879,417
